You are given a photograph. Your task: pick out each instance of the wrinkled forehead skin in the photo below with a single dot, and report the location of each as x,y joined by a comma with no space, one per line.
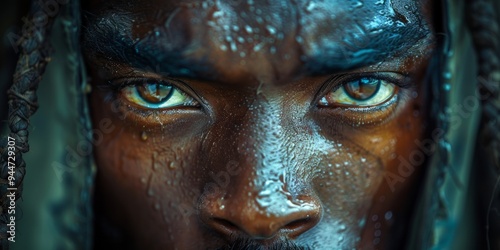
264,40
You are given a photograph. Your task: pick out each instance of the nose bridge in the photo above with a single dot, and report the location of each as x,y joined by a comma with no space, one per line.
259,202
270,174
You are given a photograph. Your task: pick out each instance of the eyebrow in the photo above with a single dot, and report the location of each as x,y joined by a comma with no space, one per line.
107,37
402,42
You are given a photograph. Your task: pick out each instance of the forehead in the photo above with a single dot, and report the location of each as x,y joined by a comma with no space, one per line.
261,37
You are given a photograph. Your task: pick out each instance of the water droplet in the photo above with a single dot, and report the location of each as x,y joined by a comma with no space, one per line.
271,29
248,29
311,6
362,222
357,4
172,165
234,48
144,136
156,164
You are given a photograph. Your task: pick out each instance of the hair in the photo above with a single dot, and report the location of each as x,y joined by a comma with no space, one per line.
22,103
35,54
484,25
249,244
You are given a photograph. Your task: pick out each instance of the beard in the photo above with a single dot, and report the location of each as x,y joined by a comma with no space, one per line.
249,244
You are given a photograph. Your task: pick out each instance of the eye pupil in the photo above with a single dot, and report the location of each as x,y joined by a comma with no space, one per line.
154,93
363,89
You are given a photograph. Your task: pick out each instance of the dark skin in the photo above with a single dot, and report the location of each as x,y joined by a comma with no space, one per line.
267,121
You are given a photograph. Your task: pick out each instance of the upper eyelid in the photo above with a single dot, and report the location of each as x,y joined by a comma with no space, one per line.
120,83
338,80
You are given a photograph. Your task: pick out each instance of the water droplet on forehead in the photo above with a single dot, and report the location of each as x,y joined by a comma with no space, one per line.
248,29
271,29
357,4
311,6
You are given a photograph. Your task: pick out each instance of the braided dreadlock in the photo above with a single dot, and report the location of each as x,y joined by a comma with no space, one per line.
484,26
22,102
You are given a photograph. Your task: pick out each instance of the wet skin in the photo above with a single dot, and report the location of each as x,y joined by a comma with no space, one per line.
261,145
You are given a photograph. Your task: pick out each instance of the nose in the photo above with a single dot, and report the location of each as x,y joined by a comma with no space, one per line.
244,218
268,197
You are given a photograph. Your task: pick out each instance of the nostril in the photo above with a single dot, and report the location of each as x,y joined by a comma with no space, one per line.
225,226
297,224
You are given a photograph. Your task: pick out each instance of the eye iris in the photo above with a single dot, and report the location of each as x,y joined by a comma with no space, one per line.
362,89
155,93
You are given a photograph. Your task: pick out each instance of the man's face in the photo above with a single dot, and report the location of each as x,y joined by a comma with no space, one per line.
263,121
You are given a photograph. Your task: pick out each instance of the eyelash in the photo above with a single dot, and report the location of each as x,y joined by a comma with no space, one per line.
402,82
115,87
337,81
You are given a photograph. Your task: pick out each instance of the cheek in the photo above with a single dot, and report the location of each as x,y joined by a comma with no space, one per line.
144,170
372,168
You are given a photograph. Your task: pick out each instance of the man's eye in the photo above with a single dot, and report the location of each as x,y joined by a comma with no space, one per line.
362,92
157,95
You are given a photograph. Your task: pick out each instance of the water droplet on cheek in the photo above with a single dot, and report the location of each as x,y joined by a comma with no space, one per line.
156,164
172,165
144,136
